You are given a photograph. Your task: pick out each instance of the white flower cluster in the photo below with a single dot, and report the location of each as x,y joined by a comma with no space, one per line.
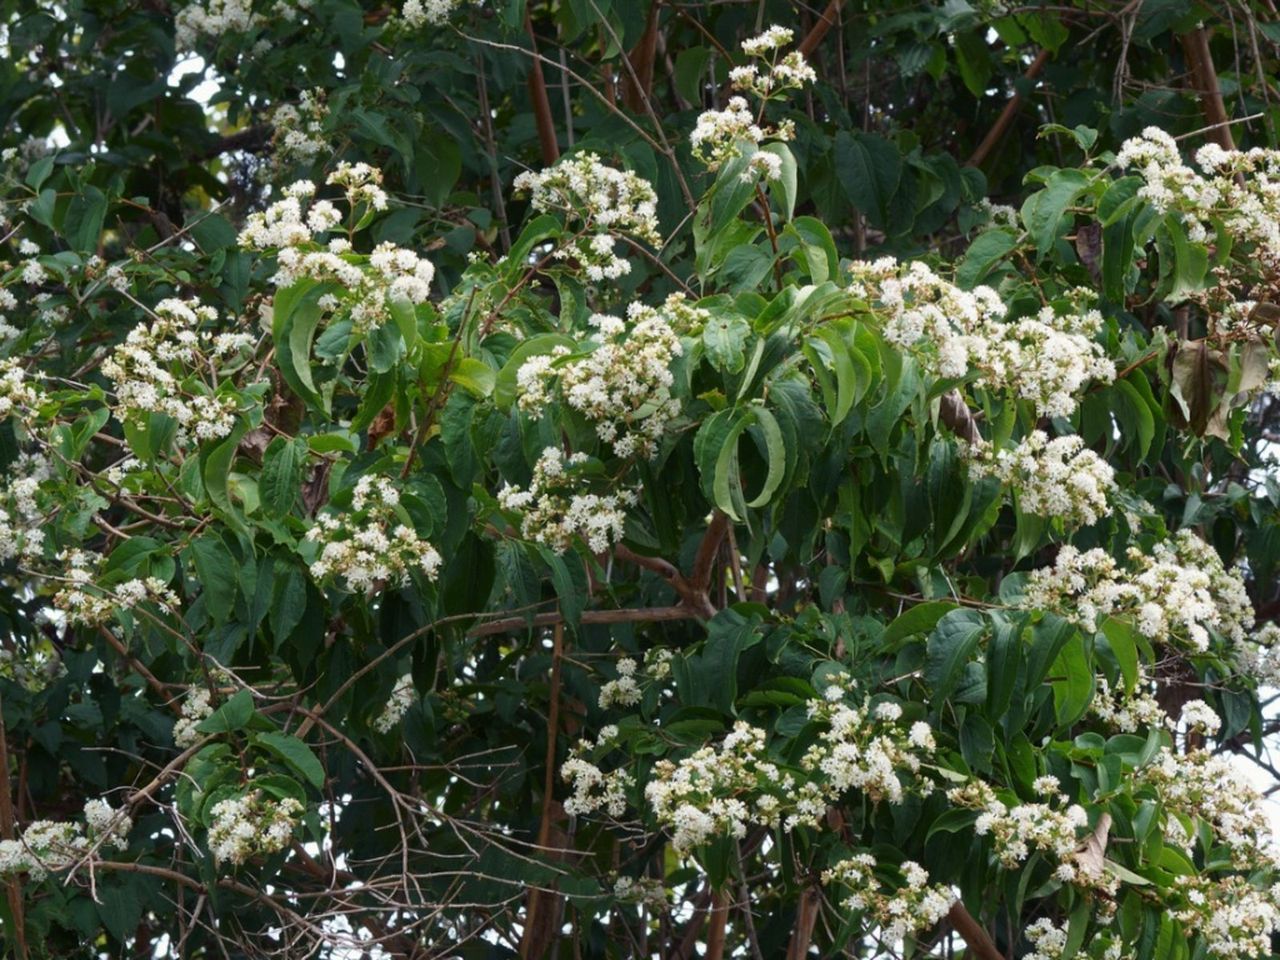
402,697
1175,595
644,891
21,519
195,708
1018,829
593,788
720,135
863,748
1048,358
7,302
1235,919
1209,788
1048,940
625,691
47,846
364,287
373,544
251,824
1127,712
604,201
298,132
623,385
212,19
1055,479
157,370
33,663
905,910
556,511
718,791
1199,717
721,791
88,603
1239,189
17,395
1259,658
421,13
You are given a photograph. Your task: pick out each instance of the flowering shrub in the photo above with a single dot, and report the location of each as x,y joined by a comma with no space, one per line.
555,480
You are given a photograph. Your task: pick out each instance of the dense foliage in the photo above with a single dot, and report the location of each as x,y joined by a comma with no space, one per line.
638,479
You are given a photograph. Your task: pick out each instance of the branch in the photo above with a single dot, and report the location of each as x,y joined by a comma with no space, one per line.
972,933
13,888
626,615
716,531
956,414
1196,46
541,102
806,917
638,82
819,29
1001,126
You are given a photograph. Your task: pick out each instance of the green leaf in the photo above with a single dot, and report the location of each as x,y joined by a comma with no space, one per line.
974,60
1045,213
727,483
230,717
474,376
920,619
295,315
950,647
724,339
216,571
296,754
784,188
281,477
869,168
984,253
853,372
1072,681
85,215
1120,639
1004,660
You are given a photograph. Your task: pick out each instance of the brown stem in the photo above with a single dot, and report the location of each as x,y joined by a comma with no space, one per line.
541,101
1195,44
956,414
638,82
542,909
819,30
706,556
806,917
767,216
716,928
134,664
13,887
626,615
979,943
1001,126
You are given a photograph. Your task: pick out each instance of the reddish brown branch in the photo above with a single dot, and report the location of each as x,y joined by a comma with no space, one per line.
638,82
626,615
1196,46
806,917
956,414
14,886
1001,126
819,30
979,943
541,101
716,928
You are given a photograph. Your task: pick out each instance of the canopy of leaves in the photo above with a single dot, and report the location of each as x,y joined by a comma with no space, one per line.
612,479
